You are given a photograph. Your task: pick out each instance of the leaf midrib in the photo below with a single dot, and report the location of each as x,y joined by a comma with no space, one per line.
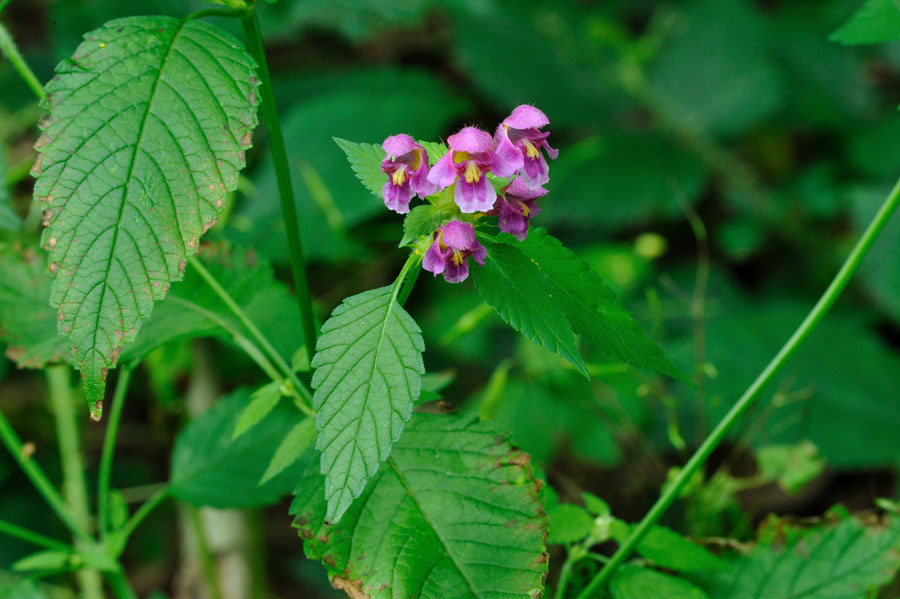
128,176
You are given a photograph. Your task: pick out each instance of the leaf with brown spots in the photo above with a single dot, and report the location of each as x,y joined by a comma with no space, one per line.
455,513
144,136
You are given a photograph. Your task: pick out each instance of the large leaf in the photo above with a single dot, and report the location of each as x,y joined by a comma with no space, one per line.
846,560
143,139
27,323
875,22
368,373
454,514
8,218
210,467
592,307
514,286
633,582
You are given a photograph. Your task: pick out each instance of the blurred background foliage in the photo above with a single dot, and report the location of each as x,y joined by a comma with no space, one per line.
718,158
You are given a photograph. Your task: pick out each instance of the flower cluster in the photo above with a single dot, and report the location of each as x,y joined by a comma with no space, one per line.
515,152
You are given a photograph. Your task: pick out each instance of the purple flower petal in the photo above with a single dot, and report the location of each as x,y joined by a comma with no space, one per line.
419,181
536,172
513,221
443,173
456,273
458,235
398,145
507,157
526,117
477,196
397,197
470,139
435,260
479,253
521,189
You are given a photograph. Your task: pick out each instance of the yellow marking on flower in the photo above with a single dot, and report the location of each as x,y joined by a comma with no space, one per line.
473,173
417,158
458,258
525,210
460,157
532,151
399,176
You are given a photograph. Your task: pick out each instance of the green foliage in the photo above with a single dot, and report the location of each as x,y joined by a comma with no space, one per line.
466,520
262,402
8,218
425,219
792,466
365,160
670,550
877,21
634,582
843,559
20,588
211,468
368,373
27,323
143,139
568,523
299,439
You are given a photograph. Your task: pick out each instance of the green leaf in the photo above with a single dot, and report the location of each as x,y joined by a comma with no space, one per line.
9,220
425,219
847,560
877,21
368,373
20,588
118,509
27,322
48,561
592,307
209,468
262,402
633,582
595,505
144,137
792,466
463,519
298,440
436,150
513,286
193,309
365,160
568,523
668,549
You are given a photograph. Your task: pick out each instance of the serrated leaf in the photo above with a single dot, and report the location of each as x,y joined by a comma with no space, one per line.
262,402
27,322
298,440
875,22
9,220
209,468
847,560
513,286
436,150
633,582
143,139
592,307
192,309
425,220
568,523
365,160
368,373
791,466
465,519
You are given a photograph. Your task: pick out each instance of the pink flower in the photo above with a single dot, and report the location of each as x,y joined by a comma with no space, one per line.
516,205
448,255
467,164
519,142
406,166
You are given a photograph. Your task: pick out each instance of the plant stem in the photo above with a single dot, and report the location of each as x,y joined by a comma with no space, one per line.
286,370
40,481
8,48
74,484
746,401
119,585
148,506
283,176
109,446
34,538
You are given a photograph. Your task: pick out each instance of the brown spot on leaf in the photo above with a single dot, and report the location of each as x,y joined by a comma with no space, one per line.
53,267
97,412
51,243
353,588
28,450
44,139
104,372
247,140
46,217
329,559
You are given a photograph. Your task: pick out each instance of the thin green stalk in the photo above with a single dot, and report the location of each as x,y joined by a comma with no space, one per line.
8,48
851,264
415,258
146,508
273,354
119,585
74,484
40,481
34,538
109,446
283,177
226,13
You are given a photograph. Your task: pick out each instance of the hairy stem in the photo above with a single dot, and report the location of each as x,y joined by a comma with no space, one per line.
283,176
109,446
8,48
746,401
74,484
